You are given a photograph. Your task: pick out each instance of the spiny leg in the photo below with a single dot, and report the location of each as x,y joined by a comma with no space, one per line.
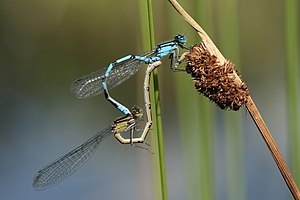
174,58
127,123
177,61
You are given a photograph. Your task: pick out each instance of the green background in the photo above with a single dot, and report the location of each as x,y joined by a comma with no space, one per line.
45,45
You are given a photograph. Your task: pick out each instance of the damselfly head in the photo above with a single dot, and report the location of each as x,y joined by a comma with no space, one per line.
181,39
137,112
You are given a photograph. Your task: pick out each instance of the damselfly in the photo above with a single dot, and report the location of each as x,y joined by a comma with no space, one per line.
63,167
151,67
122,69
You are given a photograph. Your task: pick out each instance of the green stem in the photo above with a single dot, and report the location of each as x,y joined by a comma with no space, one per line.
157,111
292,82
229,39
196,114
206,117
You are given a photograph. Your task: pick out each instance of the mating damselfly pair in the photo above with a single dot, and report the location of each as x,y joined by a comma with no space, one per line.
97,83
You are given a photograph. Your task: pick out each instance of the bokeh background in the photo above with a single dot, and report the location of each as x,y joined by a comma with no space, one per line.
210,154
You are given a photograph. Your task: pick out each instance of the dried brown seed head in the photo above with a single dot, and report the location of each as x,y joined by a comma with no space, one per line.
216,81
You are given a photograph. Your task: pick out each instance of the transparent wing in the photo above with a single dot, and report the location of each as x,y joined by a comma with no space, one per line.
63,167
90,85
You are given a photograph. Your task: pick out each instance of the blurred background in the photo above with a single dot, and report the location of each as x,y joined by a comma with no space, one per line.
210,153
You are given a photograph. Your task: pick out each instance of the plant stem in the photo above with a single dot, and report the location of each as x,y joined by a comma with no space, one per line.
234,137
157,111
265,133
206,120
292,82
